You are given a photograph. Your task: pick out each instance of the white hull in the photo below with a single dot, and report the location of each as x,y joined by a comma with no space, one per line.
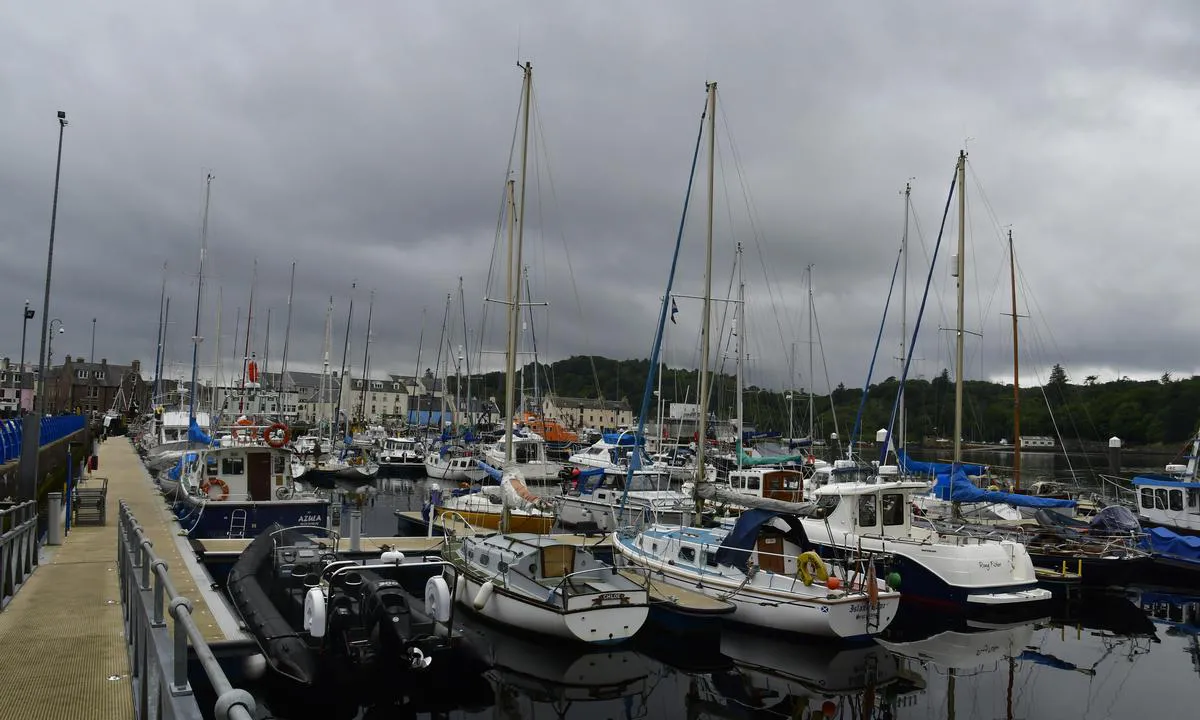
776,609
603,625
442,471
574,510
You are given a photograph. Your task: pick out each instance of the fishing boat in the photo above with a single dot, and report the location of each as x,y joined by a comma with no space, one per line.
760,564
453,463
1171,499
402,457
319,617
547,586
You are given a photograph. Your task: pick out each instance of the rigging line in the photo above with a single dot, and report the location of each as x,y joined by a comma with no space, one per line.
825,365
862,403
566,248
752,213
920,313
648,390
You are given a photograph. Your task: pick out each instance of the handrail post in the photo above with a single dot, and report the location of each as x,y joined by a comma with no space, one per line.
179,682
159,620
145,554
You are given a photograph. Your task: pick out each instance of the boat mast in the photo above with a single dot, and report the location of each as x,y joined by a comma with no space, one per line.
904,313
287,333
515,269
246,346
959,265
705,327
337,413
366,359
196,339
462,301
162,298
510,350
1012,264
266,363
811,381
739,329
326,385
417,371
212,400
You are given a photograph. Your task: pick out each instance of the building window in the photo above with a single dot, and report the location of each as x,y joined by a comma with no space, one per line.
81,374
99,374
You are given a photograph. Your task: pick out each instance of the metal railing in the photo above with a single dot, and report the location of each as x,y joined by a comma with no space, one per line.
158,656
52,429
18,548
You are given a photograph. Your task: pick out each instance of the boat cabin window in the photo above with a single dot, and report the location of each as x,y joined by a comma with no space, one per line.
279,464
1193,498
1160,498
752,482
826,504
893,509
1177,500
687,554
710,559
558,561
525,453
233,465
211,463
867,515
170,435
1147,497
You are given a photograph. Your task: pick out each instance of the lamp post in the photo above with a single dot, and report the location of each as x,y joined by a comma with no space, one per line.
31,431
50,354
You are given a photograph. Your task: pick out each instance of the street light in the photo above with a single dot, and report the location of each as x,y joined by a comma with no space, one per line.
50,341
31,431
20,381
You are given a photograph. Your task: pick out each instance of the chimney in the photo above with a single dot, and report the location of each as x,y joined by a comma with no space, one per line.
136,366
103,362
66,359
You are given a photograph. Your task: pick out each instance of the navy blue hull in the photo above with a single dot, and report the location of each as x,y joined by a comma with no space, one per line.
214,519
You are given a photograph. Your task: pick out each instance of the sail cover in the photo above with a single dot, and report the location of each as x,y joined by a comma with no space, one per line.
920,467
958,488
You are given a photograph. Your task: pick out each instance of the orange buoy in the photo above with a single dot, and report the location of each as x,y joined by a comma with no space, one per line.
252,371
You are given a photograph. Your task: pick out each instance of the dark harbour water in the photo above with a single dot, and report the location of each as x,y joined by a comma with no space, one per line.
1129,653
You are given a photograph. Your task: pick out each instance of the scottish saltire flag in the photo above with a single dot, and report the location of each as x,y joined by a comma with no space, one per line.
674,309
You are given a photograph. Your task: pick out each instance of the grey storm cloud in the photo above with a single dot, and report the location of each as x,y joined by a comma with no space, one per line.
369,142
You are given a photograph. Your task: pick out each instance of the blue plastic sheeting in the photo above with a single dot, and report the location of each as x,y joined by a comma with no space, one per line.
425,417
196,435
1165,542
735,551
177,470
963,490
1048,660
494,473
920,467
51,429
623,439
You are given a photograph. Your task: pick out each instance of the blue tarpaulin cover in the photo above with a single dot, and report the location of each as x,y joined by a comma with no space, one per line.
1162,541
196,435
963,490
920,467
735,551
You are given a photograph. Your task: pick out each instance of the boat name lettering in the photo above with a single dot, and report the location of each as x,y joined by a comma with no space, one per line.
307,518
989,564
610,596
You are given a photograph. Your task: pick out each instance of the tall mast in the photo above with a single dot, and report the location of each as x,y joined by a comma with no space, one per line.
287,332
367,358
266,363
162,362
162,298
417,371
337,413
705,327
196,339
904,311
960,264
212,400
739,330
515,269
246,345
811,381
1012,264
326,385
462,301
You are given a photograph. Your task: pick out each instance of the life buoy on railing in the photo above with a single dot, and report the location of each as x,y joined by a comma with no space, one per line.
277,442
207,485
810,565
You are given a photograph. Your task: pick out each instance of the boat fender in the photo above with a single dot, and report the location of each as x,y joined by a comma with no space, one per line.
460,588
314,613
437,599
810,565
392,556
484,594
254,666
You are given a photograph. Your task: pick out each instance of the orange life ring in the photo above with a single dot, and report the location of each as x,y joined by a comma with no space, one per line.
269,435
208,484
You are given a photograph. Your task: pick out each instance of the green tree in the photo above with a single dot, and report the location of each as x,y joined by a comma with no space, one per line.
1058,376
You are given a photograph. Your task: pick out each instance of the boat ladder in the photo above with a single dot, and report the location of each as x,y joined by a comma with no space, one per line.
237,523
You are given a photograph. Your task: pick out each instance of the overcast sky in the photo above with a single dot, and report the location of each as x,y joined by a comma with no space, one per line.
369,142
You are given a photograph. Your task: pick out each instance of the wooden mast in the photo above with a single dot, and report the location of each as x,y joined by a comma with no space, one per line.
1012,264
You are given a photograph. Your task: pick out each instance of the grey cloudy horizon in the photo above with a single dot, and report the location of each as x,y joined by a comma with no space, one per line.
369,143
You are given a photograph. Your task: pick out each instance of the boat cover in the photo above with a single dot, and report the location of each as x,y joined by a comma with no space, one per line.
735,550
960,489
1114,520
196,435
623,439
177,470
921,467
1162,541
748,461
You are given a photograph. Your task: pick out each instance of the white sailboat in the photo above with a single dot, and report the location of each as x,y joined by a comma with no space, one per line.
528,580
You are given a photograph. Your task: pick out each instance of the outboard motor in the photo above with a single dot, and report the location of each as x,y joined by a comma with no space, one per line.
385,613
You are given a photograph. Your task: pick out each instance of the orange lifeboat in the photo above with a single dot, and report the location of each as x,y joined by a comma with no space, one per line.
550,430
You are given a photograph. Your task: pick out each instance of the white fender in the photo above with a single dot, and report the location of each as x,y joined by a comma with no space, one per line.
437,599
314,613
484,594
392,556
460,588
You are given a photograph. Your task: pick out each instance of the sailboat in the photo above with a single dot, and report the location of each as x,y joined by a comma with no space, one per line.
762,564
974,574
529,580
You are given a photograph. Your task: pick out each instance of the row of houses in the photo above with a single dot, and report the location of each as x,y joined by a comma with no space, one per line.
76,386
